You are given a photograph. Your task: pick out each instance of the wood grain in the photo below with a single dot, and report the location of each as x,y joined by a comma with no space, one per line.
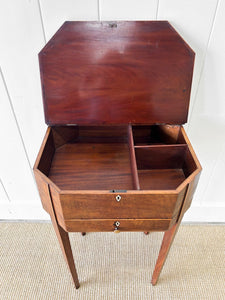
155,134
125,225
132,205
133,162
82,166
64,242
116,73
165,157
164,179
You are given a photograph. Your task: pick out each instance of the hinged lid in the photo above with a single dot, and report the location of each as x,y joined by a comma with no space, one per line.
116,73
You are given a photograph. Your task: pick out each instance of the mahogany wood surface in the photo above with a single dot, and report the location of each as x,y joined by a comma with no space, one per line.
61,234
134,77
163,179
103,225
165,247
94,166
132,205
133,162
156,134
170,234
64,242
126,72
160,157
101,160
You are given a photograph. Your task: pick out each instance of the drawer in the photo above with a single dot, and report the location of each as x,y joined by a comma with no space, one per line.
139,205
96,225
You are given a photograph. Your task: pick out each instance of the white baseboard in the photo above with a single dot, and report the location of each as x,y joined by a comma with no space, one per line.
23,211
205,214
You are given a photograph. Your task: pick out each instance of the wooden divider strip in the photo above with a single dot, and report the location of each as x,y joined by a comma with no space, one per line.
133,159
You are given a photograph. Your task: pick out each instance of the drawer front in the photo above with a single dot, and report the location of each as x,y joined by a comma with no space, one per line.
95,225
120,205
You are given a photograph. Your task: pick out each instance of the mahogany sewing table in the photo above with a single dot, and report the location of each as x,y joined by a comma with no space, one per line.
115,156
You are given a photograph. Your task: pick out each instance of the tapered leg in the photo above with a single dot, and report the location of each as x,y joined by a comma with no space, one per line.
63,238
165,247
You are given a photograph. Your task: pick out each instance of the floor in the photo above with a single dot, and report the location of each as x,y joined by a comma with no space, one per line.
111,266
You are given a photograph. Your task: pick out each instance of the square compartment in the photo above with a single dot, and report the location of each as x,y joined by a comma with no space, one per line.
163,167
157,135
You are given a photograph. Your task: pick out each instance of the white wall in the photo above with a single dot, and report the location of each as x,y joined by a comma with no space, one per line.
25,26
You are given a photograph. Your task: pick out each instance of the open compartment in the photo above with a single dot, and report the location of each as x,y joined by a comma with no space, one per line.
163,167
106,158
86,171
88,158
157,135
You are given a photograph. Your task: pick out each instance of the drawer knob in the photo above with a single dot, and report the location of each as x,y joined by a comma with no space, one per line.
118,198
116,229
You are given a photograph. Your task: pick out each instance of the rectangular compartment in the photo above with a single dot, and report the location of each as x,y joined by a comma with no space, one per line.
157,135
163,167
88,158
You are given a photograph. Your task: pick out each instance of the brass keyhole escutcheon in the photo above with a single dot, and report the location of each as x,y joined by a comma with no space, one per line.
116,229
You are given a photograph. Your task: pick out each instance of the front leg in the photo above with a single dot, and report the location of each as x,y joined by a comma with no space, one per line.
165,247
63,238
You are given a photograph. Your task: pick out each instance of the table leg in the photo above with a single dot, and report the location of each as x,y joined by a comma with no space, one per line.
63,238
165,247
64,241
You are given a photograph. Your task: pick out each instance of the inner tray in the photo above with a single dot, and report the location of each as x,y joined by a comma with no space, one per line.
111,158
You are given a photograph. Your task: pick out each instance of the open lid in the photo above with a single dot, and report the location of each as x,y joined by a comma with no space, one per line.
96,73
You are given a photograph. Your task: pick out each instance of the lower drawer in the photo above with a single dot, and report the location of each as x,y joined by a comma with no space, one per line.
92,225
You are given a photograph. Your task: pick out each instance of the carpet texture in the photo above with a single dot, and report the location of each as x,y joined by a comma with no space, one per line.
111,266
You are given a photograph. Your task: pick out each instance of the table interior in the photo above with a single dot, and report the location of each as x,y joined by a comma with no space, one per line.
126,158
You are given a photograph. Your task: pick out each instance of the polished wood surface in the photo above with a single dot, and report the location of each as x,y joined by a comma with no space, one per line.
165,157
116,73
156,134
132,205
81,169
170,234
160,179
94,166
164,250
64,242
103,225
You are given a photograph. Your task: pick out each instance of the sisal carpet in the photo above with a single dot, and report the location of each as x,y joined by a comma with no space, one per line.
111,266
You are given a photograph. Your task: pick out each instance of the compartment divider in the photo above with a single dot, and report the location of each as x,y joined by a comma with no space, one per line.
133,159
160,146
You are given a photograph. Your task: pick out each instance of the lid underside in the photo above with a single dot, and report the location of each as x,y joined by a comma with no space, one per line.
96,73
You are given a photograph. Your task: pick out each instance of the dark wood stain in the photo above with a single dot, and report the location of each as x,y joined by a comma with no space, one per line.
136,72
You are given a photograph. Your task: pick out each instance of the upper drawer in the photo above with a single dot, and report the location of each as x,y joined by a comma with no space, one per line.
98,205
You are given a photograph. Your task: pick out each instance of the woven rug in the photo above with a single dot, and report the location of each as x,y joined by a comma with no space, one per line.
111,266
